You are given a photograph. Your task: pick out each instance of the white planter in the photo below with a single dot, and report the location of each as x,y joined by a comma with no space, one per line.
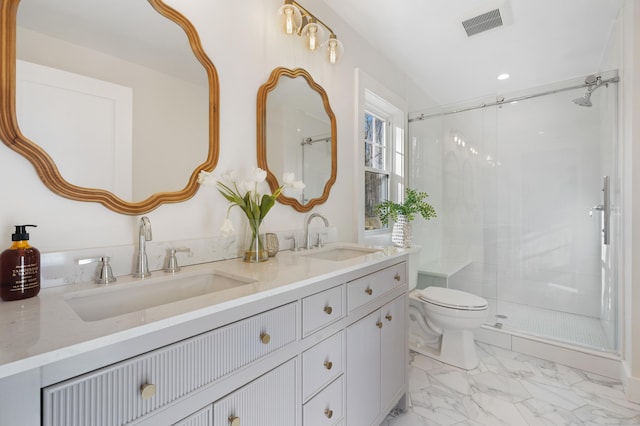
401,232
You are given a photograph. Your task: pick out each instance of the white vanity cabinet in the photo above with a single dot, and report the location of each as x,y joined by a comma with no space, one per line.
377,354
330,351
129,390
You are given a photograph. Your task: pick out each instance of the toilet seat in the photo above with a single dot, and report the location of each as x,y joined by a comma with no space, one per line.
453,299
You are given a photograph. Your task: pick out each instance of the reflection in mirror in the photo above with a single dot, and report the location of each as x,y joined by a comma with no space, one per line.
119,97
297,133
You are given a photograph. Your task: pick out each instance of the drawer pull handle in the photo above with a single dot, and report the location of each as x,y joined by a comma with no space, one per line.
328,310
328,365
379,324
389,317
234,421
147,391
265,338
396,277
328,413
369,291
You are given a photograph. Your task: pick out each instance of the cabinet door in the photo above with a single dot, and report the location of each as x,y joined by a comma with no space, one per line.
393,349
268,400
363,370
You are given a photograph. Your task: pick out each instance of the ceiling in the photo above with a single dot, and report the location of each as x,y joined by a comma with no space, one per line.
541,41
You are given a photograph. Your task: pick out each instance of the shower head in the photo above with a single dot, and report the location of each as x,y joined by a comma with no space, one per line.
584,100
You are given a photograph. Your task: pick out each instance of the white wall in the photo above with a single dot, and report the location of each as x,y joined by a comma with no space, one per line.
244,42
630,134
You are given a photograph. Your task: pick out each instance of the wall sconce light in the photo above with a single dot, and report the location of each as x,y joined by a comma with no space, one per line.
295,19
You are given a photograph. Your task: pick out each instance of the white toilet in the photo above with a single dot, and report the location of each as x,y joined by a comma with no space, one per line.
442,321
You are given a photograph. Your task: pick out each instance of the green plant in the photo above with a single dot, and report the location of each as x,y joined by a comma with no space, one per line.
413,204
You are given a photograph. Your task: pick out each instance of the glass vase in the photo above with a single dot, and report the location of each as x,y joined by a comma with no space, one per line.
255,250
271,244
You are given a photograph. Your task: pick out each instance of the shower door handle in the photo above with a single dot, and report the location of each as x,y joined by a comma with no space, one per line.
605,208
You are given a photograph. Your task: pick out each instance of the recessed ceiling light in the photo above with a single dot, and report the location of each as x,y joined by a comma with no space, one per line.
503,76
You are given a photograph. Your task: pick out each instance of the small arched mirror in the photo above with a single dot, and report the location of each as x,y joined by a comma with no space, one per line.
297,133
113,102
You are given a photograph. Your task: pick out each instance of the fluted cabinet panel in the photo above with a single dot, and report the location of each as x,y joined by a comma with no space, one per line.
269,400
132,389
202,417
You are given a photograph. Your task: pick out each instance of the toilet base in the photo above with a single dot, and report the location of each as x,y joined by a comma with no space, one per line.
457,348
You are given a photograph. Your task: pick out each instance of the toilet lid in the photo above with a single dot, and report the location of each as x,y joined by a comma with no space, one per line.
450,298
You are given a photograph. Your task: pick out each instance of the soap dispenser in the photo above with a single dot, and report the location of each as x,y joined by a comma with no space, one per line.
19,267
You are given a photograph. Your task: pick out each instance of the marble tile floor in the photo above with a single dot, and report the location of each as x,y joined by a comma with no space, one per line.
511,389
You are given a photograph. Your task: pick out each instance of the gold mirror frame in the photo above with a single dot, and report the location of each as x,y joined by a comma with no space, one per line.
45,166
263,93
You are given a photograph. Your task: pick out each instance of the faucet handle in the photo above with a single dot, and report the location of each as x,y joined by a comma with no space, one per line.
172,260
105,275
322,235
294,242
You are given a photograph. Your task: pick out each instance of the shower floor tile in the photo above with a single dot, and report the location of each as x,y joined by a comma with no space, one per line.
510,389
546,323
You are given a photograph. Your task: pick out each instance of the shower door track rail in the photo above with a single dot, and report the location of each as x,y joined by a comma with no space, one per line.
502,100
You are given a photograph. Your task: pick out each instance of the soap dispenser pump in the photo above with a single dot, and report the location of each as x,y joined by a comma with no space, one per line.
19,267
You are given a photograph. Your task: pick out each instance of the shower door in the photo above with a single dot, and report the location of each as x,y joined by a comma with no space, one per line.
518,187
555,276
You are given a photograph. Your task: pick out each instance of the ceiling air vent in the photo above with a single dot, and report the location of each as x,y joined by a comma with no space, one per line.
483,22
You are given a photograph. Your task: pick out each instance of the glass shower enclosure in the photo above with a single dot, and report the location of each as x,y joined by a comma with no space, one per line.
528,193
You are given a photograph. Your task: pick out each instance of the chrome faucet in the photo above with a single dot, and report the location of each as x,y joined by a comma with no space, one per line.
144,235
306,227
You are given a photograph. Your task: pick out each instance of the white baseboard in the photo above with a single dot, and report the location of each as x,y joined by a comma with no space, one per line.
631,384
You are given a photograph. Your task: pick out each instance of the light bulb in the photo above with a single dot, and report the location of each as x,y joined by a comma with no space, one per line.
291,18
288,21
334,49
312,33
312,38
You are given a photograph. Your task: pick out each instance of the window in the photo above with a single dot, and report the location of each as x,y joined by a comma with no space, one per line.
380,161
383,160
376,170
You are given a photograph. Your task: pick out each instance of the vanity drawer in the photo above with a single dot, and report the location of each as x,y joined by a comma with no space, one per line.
321,309
326,408
134,388
321,364
268,400
366,289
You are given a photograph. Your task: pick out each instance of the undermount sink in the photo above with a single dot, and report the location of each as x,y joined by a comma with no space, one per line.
339,253
108,302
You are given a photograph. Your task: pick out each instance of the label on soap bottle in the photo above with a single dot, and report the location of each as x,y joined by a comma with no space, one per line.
25,277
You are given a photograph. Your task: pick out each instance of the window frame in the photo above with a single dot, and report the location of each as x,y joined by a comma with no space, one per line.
381,102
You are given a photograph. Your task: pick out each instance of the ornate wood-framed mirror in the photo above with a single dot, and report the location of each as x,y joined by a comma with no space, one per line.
25,123
297,133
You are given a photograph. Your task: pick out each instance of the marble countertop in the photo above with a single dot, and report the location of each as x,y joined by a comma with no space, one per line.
43,329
